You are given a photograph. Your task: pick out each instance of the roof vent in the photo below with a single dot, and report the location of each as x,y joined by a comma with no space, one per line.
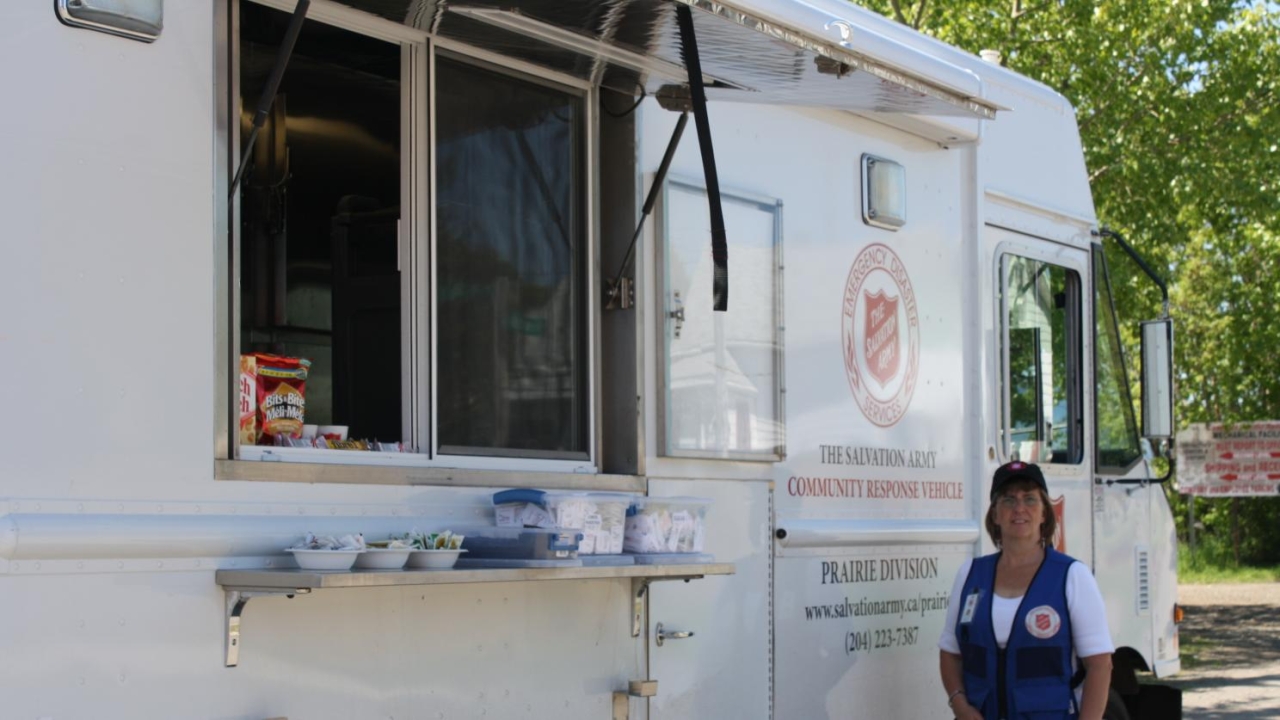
992,56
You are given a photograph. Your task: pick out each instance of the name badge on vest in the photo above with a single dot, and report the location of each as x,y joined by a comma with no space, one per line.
970,607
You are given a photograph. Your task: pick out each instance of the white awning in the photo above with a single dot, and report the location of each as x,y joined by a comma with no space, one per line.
761,51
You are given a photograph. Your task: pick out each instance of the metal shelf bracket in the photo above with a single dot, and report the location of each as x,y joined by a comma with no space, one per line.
236,602
640,588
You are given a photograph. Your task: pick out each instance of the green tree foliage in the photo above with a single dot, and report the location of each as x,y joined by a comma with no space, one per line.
1180,118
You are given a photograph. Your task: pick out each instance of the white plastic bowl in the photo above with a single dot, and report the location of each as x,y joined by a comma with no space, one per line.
433,559
382,558
324,559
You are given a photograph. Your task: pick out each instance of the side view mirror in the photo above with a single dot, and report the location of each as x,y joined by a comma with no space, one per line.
1157,379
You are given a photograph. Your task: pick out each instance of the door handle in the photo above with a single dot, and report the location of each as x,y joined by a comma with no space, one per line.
664,635
677,315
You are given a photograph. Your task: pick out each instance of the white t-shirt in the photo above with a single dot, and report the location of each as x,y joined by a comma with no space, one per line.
1089,631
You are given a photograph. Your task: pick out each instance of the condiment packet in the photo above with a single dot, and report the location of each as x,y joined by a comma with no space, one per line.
536,516
348,444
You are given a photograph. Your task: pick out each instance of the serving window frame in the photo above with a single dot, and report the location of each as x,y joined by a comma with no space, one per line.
417,246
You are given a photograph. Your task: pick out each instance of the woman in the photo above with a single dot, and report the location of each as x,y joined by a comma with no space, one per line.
1026,623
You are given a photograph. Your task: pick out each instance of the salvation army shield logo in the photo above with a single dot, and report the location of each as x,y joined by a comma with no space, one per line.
1043,622
880,335
1059,531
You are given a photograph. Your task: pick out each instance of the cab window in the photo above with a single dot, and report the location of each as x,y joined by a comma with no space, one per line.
1040,362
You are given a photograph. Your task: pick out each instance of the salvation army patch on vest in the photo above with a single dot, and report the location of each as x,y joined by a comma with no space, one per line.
1043,622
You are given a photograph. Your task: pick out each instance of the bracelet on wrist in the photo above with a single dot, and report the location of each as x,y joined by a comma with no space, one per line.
952,697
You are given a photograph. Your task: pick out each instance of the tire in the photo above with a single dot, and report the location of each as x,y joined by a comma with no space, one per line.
1116,709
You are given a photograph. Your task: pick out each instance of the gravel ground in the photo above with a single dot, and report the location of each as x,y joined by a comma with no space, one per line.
1230,644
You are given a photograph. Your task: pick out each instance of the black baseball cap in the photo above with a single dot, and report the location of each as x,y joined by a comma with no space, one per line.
1017,470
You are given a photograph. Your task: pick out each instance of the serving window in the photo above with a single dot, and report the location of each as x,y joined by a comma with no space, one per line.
509,256
409,253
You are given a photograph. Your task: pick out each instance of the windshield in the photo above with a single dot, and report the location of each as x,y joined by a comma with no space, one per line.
1117,433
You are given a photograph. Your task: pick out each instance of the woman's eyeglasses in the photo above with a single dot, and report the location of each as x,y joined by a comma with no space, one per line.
1012,501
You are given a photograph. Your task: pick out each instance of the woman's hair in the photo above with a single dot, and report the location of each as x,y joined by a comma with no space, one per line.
1047,527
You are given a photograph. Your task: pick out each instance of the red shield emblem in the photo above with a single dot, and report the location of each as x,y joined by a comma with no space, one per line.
1043,622
1060,531
881,339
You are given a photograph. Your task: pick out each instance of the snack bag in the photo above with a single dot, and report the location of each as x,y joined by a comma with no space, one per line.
248,400
281,394
347,444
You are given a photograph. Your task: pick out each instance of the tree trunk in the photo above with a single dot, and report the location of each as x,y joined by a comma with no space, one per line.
1191,524
1235,529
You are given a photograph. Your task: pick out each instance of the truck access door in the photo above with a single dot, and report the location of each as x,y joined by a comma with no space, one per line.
710,641
1135,553
1043,386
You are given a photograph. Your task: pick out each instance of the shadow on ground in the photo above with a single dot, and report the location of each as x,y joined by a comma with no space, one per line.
1230,636
1231,662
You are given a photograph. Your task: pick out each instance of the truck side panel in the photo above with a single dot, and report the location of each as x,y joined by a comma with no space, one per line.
856,619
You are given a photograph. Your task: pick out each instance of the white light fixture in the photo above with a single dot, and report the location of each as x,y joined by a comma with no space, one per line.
521,24
134,19
884,193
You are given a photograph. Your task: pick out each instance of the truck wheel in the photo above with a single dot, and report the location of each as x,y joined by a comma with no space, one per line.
1116,709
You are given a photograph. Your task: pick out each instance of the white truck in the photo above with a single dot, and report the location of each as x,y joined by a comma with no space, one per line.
874,277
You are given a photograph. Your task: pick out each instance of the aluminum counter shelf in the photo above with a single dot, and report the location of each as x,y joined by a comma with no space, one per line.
241,585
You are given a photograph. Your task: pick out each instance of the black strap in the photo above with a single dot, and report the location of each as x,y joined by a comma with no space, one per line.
658,180
719,244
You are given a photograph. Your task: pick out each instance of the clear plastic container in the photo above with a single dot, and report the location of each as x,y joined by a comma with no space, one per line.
521,508
517,543
666,525
602,518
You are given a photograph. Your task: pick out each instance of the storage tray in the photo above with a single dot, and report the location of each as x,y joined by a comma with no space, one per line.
671,558
514,543
606,560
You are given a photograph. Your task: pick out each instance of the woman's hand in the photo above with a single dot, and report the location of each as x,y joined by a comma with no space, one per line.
963,710
952,668
1097,681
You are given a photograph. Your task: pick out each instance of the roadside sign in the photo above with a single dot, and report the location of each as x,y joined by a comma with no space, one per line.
1219,460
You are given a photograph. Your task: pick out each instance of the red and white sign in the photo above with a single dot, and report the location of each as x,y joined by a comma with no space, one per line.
1218,460
881,335
1043,622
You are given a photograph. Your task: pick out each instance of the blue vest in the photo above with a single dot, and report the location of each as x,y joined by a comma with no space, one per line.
1033,672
